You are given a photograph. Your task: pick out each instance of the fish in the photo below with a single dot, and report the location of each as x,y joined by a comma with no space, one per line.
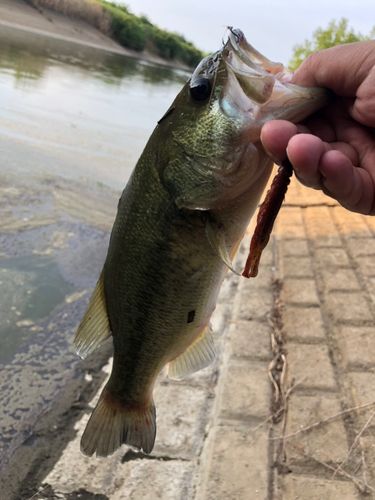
179,224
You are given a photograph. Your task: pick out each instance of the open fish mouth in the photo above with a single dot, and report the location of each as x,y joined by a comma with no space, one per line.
259,88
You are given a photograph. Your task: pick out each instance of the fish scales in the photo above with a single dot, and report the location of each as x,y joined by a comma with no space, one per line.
180,221
158,280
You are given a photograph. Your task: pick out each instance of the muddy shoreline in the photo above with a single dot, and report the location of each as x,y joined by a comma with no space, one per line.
19,15
45,387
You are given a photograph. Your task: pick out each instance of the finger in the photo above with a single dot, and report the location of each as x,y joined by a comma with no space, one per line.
350,186
304,152
342,68
362,108
347,150
275,136
361,138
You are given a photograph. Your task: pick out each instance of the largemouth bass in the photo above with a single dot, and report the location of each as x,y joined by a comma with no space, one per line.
180,221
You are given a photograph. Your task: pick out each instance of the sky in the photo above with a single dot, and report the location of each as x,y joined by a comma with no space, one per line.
272,26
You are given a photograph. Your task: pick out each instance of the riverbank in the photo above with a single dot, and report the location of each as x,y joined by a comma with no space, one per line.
19,15
306,322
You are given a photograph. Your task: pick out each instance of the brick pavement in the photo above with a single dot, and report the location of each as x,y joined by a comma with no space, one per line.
312,305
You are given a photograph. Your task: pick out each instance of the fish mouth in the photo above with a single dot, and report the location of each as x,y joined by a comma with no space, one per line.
258,88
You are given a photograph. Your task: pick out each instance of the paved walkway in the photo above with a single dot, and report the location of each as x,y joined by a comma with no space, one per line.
307,323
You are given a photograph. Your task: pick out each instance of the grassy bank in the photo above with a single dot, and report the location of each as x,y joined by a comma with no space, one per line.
131,31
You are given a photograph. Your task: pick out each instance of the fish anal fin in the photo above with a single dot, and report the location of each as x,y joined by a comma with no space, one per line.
200,354
113,423
94,328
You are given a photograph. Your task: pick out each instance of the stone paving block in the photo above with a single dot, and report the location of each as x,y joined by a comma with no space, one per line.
366,264
370,223
317,197
268,257
262,282
326,241
325,440
181,417
310,365
300,195
284,230
367,470
304,324
246,392
361,246
290,216
351,225
320,227
237,465
289,223
370,285
340,280
300,292
296,267
152,479
253,304
348,307
228,288
332,257
357,346
293,248
219,318
362,387
310,488
251,340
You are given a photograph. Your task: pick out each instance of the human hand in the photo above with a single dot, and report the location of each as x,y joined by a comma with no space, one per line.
334,150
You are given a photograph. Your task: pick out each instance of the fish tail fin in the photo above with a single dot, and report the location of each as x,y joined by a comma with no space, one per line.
114,423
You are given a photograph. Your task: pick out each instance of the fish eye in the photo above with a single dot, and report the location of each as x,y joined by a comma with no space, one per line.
200,89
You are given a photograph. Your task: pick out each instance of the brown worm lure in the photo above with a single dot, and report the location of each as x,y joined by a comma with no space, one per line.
266,218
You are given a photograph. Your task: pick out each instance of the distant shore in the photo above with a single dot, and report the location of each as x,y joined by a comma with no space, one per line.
20,15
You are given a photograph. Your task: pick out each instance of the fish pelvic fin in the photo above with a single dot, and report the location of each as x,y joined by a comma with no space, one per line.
94,328
114,422
217,241
200,354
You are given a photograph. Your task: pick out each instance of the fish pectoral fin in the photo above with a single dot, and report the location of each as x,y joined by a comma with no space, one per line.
200,354
217,241
114,422
94,328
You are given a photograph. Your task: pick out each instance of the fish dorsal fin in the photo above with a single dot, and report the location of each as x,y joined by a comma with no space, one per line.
200,354
94,328
217,241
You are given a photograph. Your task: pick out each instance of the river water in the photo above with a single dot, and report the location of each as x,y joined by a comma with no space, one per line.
74,112
73,122
90,110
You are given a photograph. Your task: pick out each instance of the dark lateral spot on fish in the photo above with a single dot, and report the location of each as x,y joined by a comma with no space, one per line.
191,315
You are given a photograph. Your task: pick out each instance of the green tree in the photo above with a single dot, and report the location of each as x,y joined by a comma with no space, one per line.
337,33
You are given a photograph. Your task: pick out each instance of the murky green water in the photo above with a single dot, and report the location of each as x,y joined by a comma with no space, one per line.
68,111
30,288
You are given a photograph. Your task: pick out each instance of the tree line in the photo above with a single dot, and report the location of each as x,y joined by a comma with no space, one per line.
130,31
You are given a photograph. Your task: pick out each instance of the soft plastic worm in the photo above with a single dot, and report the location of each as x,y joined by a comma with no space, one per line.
266,217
